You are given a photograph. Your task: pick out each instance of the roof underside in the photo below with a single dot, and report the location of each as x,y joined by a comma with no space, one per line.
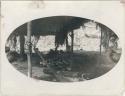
52,25
56,25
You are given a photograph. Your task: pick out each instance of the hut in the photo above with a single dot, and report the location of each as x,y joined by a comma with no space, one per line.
58,26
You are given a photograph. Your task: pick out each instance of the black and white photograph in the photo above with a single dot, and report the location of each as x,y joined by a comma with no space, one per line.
63,49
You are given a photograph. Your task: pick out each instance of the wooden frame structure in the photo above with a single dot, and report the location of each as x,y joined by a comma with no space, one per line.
29,49
48,26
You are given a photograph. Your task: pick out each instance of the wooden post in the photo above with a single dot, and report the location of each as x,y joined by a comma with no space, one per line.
14,43
29,49
72,40
67,43
22,42
101,43
108,37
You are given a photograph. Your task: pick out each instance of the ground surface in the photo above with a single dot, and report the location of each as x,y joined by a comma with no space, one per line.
83,66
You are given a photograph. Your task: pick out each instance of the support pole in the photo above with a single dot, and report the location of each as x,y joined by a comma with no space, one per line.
101,43
72,40
29,49
22,42
12,45
67,48
108,39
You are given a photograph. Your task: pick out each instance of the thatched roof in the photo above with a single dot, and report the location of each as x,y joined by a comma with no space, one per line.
58,26
51,25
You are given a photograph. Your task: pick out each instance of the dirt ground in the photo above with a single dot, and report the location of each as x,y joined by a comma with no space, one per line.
88,64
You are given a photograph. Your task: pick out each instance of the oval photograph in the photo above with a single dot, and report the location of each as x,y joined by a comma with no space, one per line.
63,49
